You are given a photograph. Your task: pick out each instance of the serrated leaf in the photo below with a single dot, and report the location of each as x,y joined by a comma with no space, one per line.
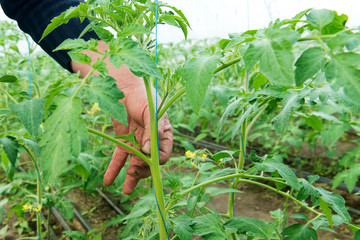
320,17
174,180
11,148
281,121
253,55
133,29
209,226
250,226
277,61
107,94
103,33
337,25
299,232
31,114
63,18
308,64
197,74
78,44
343,72
182,226
65,134
80,57
135,58
269,165
336,202
8,79
350,177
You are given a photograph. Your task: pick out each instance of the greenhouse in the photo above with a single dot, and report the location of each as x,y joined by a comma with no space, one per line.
146,119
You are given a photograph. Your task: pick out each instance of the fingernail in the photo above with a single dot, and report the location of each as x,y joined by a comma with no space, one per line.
146,147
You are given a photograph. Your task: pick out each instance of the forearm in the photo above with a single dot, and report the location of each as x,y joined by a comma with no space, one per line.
33,16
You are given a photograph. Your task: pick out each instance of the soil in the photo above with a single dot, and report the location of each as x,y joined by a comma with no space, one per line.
254,202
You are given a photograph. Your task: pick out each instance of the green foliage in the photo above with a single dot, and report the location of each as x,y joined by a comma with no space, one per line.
31,113
11,148
65,134
197,74
250,226
298,232
8,79
105,92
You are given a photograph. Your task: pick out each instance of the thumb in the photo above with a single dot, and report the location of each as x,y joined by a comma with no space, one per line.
145,140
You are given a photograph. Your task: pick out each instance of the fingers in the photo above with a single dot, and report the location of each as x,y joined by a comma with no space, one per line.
116,164
136,171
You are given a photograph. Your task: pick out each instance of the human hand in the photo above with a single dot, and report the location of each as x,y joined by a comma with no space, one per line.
138,117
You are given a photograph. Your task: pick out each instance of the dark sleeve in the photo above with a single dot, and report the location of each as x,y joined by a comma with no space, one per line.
33,16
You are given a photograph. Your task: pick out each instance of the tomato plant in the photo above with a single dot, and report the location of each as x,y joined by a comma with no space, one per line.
282,74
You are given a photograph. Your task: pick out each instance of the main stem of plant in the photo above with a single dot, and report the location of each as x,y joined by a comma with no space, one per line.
154,163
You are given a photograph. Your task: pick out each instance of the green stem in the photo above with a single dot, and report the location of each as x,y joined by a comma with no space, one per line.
86,78
38,189
170,102
228,64
121,144
9,96
235,175
182,91
154,163
249,126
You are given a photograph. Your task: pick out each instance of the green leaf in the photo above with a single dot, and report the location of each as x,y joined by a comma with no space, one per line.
75,235
281,121
11,148
299,232
103,33
197,75
209,226
325,207
320,17
350,177
182,227
135,58
63,18
336,202
250,226
253,55
130,138
78,44
337,25
174,180
332,133
308,64
107,94
80,57
8,78
343,71
277,61
65,135
31,114
271,165
133,29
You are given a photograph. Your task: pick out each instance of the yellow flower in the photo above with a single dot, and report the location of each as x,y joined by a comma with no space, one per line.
203,156
220,161
38,209
189,154
95,108
27,206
